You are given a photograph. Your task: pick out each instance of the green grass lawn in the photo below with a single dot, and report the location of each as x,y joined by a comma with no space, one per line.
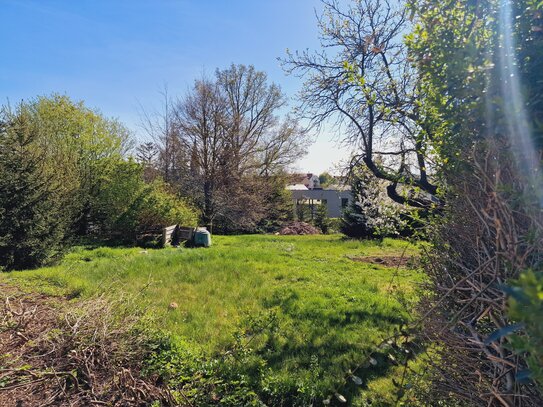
329,310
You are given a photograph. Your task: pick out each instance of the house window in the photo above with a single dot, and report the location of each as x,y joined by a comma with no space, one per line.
344,202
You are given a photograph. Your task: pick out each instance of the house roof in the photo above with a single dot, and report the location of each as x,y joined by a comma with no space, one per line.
297,187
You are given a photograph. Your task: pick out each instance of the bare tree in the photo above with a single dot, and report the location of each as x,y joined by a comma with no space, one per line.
200,118
281,147
363,82
147,154
159,126
229,124
251,105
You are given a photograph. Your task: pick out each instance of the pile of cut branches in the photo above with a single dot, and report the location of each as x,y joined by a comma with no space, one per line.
299,228
90,354
492,234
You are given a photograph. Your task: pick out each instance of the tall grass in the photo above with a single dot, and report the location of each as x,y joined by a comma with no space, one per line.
328,309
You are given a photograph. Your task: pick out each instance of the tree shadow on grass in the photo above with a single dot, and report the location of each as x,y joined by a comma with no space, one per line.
341,338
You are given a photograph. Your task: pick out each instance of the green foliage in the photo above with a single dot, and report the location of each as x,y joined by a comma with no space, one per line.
355,222
529,26
278,203
126,206
118,199
321,218
479,111
449,45
526,307
76,181
335,225
160,208
303,212
457,52
371,214
81,149
33,224
325,179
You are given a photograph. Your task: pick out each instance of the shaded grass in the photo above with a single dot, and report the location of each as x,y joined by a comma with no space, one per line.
327,307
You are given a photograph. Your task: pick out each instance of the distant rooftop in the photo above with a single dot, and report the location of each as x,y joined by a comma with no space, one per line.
297,187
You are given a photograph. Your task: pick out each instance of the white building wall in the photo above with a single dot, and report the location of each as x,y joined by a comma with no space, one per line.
334,199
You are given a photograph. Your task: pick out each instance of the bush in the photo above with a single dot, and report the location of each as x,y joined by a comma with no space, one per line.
526,308
159,207
335,225
360,218
81,150
126,206
491,231
372,214
148,209
119,196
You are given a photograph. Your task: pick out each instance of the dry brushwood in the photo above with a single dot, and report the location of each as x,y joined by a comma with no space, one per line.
299,228
485,243
87,355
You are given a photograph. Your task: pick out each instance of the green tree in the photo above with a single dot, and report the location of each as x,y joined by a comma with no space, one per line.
526,307
118,198
359,218
322,221
33,223
363,81
325,179
80,148
125,206
279,206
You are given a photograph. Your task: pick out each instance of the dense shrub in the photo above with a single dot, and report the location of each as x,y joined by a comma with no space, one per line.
126,206
65,174
335,225
81,149
160,207
480,66
526,308
120,190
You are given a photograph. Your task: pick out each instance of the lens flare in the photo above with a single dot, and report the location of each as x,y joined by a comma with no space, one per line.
516,117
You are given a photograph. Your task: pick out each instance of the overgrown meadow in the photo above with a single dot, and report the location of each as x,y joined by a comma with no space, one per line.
304,309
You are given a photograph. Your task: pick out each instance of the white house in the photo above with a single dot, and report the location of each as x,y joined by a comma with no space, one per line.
309,192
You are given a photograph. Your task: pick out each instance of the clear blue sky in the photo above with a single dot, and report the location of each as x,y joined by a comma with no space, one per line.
118,54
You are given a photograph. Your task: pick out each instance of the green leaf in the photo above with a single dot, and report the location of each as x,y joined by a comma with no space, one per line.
500,333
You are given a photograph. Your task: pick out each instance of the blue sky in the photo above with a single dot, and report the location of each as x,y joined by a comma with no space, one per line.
118,54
